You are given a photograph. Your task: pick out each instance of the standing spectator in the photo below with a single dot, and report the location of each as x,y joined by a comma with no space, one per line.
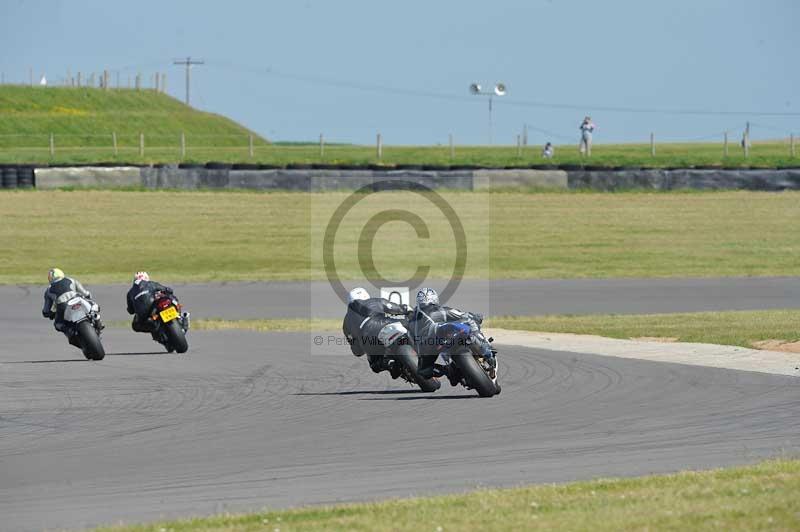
547,152
587,127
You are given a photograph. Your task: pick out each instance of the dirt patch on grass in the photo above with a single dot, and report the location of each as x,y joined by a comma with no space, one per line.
661,339
778,345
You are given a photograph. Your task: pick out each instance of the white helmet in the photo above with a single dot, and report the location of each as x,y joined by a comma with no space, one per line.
140,276
427,296
357,294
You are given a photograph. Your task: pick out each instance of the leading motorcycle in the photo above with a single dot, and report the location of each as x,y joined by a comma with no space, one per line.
83,326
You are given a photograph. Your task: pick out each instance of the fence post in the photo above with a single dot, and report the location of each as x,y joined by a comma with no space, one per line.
791,144
725,145
105,79
79,79
519,146
321,146
114,142
652,144
379,144
163,82
141,144
250,145
52,145
452,147
138,81
183,145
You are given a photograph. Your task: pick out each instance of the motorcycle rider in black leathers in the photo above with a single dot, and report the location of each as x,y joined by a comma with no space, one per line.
140,299
422,326
365,318
61,290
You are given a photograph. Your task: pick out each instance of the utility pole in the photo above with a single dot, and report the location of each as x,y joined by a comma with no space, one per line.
188,62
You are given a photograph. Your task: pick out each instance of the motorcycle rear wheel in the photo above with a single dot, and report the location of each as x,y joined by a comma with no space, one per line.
90,342
176,338
406,356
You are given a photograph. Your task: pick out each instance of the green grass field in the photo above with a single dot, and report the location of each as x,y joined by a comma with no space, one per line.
102,236
82,121
757,497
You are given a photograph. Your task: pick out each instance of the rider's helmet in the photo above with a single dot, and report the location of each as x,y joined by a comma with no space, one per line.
356,294
427,296
140,276
54,275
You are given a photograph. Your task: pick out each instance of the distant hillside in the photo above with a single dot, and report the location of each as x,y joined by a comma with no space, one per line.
86,117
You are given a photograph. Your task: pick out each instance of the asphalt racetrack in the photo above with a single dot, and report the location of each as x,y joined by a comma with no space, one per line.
247,420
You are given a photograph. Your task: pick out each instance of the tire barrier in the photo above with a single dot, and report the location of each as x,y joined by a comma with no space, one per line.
25,177
322,177
10,179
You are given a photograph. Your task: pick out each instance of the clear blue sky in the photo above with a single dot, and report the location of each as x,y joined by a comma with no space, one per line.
348,69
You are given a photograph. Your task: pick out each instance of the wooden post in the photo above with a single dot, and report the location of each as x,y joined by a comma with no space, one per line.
138,81
79,79
163,82
321,146
141,144
105,79
114,142
250,139
117,76
652,144
379,144
791,144
519,146
52,145
156,78
725,145
452,148
183,145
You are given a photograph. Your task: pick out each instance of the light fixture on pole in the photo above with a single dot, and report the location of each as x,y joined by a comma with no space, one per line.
499,90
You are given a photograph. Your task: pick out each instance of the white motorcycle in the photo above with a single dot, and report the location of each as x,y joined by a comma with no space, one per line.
83,326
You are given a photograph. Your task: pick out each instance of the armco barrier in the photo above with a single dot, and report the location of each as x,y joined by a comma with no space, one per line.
320,179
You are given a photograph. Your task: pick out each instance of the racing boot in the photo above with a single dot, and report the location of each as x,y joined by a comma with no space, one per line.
426,366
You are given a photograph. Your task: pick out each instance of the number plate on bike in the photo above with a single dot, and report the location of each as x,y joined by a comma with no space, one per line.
167,315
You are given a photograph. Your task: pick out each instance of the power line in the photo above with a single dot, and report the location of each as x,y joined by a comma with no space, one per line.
582,107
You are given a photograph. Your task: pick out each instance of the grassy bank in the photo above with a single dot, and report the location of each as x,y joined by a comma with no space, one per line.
82,122
102,236
758,497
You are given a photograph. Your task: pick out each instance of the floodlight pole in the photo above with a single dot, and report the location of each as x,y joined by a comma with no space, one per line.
188,62
499,90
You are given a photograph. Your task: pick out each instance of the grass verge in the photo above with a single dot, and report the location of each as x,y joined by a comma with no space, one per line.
742,328
756,497
103,236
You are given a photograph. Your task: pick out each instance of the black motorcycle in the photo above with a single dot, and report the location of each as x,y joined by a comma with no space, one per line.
169,323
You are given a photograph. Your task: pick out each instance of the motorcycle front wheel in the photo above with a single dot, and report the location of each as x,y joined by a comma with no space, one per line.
475,376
